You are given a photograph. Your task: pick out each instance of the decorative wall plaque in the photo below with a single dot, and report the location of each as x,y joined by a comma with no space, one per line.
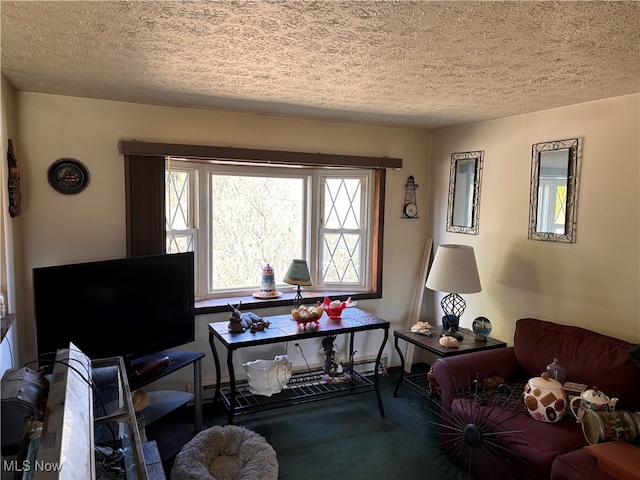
15,197
68,176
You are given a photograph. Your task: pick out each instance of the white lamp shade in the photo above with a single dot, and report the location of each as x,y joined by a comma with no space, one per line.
454,270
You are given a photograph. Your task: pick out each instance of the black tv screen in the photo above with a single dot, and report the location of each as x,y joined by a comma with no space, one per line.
127,307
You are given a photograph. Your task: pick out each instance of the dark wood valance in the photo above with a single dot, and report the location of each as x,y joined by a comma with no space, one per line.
250,155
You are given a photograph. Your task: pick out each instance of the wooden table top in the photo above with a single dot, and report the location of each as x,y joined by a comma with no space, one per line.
430,343
284,328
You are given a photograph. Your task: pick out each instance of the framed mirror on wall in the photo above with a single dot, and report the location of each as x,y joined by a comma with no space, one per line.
463,207
553,195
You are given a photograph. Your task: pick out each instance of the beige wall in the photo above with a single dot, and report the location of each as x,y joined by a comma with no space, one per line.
10,345
9,228
593,283
60,229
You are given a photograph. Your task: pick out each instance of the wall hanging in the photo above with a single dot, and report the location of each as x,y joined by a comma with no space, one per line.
68,176
15,197
410,202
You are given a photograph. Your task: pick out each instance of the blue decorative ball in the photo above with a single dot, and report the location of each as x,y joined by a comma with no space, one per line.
482,326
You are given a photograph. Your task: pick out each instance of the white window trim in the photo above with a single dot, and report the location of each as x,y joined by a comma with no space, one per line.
366,245
311,246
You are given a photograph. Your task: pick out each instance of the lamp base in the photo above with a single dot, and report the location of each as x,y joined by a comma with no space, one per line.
297,301
450,322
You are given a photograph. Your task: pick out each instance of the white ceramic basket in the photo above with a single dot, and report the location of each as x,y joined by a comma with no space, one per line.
267,377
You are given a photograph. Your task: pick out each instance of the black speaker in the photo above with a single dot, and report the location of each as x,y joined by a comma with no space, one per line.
24,396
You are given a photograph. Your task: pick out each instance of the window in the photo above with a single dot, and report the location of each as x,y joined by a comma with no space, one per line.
238,218
146,209
180,190
344,231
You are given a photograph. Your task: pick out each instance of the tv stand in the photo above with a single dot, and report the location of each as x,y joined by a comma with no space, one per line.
151,368
145,370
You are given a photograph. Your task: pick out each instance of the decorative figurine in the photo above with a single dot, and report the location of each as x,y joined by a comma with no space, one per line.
335,372
15,196
268,284
422,328
449,342
241,322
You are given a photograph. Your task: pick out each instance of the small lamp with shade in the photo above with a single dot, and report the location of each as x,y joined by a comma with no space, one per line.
454,270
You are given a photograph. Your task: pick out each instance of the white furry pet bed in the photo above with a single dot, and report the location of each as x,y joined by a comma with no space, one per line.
226,453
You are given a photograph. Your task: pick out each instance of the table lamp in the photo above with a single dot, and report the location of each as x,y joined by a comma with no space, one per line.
298,274
454,270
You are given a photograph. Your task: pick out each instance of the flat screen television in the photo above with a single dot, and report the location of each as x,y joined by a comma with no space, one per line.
128,307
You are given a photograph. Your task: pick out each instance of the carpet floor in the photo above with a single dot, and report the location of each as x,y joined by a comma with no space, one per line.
346,438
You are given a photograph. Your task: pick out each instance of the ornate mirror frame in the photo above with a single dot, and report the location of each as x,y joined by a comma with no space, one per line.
465,179
554,169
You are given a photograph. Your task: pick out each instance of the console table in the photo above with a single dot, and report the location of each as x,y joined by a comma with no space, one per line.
420,382
302,388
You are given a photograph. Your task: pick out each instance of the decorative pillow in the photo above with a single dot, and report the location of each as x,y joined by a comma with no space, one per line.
634,353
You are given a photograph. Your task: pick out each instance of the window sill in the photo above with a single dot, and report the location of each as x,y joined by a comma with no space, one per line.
218,305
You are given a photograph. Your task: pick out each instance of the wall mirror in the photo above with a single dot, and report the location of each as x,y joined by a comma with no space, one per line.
554,170
464,192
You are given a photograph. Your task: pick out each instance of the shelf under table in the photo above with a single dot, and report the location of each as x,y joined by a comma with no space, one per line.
302,388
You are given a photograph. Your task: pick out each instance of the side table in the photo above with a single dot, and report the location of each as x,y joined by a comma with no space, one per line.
618,458
425,384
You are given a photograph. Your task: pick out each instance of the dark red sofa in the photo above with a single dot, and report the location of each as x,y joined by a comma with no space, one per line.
513,444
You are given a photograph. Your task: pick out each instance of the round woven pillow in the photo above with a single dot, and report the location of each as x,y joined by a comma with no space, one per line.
226,453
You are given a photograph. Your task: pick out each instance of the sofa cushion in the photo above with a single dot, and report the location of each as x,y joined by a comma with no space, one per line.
534,443
588,357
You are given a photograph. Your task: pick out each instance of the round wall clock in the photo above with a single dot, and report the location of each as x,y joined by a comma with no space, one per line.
68,176
411,210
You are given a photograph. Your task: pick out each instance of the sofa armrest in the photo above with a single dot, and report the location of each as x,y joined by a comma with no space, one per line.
455,374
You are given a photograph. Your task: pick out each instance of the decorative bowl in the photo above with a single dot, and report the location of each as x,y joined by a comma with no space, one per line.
334,308
304,315
267,377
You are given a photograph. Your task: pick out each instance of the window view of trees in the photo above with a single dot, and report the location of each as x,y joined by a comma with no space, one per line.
254,221
237,220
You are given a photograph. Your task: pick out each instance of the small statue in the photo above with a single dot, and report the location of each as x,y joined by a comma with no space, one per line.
15,196
241,322
334,371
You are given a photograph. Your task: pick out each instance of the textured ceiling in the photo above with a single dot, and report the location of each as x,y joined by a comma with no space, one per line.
422,64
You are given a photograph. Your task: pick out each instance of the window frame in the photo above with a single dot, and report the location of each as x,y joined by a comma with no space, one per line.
367,195
145,203
314,193
242,170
